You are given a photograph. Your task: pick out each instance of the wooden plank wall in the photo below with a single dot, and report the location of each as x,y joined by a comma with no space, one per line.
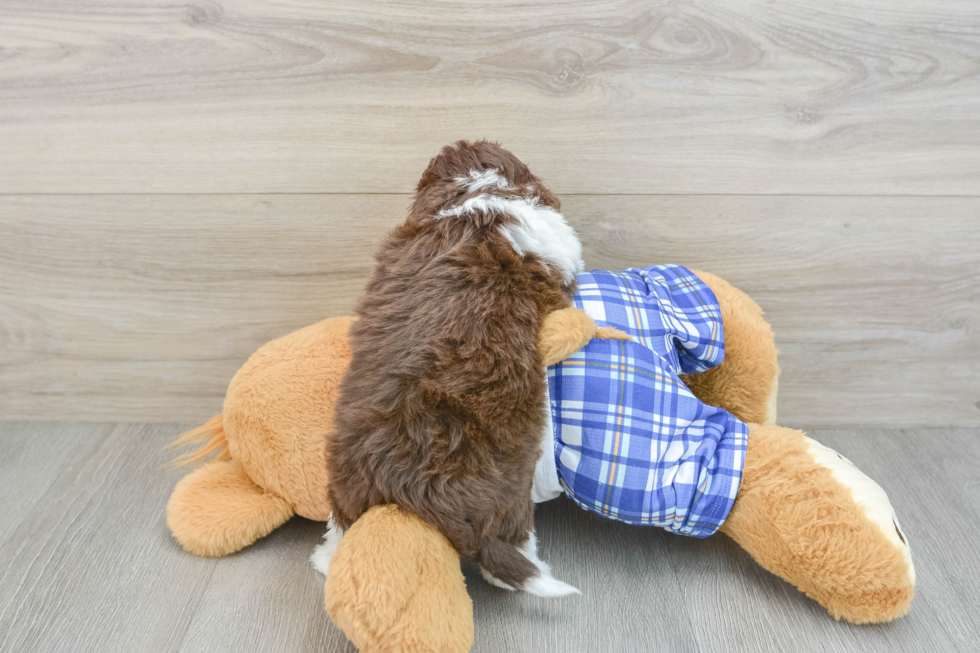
182,182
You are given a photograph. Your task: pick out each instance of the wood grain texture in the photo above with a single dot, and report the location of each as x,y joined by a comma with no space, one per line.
32,457
92,568
630,592
629,96
140,308
267,598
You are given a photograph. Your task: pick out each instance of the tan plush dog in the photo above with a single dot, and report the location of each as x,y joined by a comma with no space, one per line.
802,511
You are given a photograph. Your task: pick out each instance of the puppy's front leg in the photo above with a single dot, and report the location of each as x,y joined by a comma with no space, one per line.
567,330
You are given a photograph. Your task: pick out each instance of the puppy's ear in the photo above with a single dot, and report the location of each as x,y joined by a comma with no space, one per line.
440,166
427,179
547,197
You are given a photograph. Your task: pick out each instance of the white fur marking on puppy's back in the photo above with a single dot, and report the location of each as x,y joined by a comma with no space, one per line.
544,584
324,552
539,230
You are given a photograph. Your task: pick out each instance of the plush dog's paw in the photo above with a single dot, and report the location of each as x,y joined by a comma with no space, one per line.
611,333
808,514
566,331
217,510
395,586
563,333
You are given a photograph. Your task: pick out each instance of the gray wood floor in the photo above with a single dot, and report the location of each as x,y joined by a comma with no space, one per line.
87,564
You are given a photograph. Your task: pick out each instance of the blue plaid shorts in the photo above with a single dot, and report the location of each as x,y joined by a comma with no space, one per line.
632,443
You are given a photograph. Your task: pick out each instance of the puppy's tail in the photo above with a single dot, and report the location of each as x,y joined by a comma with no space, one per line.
506,566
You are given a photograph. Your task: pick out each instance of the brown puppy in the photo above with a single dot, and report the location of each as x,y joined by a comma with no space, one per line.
442,408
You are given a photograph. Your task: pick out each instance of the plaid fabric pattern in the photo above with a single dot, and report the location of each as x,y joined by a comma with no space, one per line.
631,441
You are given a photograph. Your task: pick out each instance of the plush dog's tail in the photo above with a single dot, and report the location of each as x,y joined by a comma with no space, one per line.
506,566
210,439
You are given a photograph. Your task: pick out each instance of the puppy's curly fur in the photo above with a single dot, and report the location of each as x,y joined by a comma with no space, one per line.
441,409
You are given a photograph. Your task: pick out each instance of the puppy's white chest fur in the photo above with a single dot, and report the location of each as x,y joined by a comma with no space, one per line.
546,484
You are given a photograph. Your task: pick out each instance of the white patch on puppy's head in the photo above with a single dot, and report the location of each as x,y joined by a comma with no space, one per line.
477,180
539,229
